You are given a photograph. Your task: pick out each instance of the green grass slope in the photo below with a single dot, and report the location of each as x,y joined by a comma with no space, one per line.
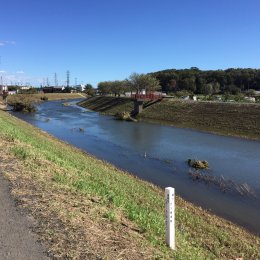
79,189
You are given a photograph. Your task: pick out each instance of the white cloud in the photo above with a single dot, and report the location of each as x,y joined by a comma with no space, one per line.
3,43
20,72
2,71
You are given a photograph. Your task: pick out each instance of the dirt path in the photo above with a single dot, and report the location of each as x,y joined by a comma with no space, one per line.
16,238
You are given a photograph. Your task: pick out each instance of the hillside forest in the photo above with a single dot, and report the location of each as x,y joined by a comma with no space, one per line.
190,81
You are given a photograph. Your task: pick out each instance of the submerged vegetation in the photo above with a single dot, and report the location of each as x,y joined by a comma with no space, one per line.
87,208
223,184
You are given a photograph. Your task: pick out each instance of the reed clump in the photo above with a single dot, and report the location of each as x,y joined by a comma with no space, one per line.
197,164
124,116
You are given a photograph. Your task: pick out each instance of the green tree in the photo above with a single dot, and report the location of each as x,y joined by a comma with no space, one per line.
207,89
89,90
187,84
215,87
171,86
104,87
144,81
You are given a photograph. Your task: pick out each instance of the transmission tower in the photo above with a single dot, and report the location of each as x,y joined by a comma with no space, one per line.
68,78
55,79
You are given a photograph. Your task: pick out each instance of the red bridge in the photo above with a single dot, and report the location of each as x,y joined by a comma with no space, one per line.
148,96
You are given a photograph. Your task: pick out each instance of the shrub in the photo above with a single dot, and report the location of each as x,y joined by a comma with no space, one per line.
44,98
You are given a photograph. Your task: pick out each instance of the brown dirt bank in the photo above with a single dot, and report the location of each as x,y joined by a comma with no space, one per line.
242,120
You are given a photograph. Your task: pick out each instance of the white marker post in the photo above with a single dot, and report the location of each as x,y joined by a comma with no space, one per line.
170,216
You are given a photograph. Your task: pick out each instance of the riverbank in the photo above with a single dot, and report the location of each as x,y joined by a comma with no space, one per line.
2,104
46,96
26,102
86,208
241,120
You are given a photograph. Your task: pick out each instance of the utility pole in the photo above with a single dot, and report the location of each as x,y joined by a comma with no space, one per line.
68,78
47,82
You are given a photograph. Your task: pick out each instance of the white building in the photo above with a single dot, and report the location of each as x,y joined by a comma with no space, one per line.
250,99
80,87
3,88
25,87
194,98
12,92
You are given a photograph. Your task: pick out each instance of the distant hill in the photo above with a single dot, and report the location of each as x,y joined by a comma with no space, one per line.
208,82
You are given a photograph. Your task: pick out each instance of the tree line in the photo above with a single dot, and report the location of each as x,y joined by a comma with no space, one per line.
232,81
192,81
135,83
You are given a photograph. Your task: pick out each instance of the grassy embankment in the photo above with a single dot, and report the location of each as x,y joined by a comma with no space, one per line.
242,120
49,96
87,208
34,98
25,102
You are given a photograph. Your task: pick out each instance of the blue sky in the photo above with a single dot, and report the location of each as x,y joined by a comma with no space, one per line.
101,40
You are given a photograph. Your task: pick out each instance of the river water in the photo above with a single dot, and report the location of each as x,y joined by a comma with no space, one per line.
158,154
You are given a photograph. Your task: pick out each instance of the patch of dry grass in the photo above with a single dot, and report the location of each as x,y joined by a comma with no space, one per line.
49,96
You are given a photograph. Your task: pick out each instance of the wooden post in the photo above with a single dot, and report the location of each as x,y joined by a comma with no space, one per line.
170,216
